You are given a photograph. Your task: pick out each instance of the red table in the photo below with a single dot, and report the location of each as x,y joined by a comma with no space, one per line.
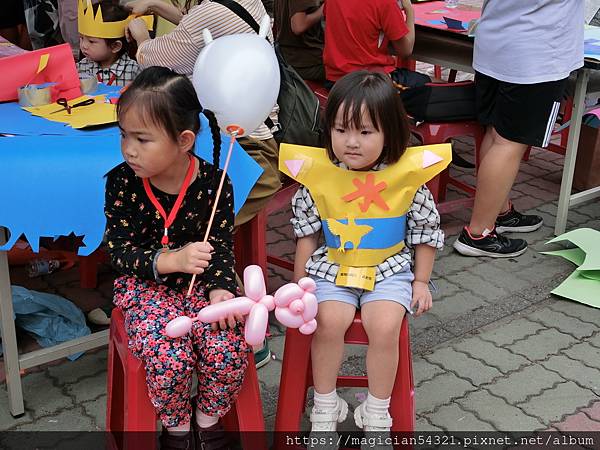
431,14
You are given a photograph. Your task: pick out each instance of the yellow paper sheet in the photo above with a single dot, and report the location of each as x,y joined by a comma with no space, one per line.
43,62
99,113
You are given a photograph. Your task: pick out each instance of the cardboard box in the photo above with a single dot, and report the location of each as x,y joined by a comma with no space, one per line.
587,166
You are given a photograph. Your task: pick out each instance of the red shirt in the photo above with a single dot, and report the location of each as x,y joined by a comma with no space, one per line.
352,33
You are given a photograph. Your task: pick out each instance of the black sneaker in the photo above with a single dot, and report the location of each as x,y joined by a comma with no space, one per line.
513,221
492,244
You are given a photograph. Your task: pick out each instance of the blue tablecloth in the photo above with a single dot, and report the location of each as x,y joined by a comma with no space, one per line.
52,176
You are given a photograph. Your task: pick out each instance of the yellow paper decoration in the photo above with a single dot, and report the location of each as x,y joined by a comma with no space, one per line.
99,113
43,62
94,26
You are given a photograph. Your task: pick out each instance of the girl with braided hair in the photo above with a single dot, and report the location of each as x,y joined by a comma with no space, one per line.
157,207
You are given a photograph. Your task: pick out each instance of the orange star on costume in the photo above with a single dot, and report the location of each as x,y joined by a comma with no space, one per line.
370,191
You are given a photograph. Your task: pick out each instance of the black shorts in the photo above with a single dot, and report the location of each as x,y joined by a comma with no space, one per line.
523,113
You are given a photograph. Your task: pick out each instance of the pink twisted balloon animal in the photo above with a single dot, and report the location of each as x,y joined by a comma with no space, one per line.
296,305
296,308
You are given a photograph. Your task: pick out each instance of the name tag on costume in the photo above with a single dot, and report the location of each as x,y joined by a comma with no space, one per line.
356,277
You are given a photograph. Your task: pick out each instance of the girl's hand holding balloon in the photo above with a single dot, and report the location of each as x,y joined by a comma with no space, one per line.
221,295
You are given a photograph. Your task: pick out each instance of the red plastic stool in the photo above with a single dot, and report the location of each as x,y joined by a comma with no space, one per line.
130,417
439,133
250,244
296,378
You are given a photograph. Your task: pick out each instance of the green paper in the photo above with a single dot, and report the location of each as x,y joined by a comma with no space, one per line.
574,255
591,274
587,240
583,285
580,289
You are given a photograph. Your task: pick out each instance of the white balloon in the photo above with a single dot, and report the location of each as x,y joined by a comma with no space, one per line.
237,77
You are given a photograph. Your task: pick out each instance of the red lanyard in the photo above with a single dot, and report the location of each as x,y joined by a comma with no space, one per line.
112,79
171,217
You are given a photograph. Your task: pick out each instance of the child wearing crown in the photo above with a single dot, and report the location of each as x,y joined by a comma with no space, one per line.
103,44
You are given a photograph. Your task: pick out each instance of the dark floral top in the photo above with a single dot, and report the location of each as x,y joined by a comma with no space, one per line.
134,227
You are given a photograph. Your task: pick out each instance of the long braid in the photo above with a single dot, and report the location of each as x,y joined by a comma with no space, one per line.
216,136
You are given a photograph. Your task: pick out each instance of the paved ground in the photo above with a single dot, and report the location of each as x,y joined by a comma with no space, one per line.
496,352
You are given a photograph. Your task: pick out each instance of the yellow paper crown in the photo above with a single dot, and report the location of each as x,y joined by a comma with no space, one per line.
95,26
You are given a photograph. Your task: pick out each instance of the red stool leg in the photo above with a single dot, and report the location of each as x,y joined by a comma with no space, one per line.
131,419
140,415
88,271
292,386
115,397
249,413
402,406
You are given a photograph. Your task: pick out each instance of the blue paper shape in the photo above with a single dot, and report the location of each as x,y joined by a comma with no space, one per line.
108,90
591,47
387,231
243,170
15,120
54,185
454,24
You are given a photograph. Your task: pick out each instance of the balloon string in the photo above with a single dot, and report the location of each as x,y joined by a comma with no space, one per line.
217,195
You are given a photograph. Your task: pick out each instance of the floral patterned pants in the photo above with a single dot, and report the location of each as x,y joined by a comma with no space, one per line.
219,357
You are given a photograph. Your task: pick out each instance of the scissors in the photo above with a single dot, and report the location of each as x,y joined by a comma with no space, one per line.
65,105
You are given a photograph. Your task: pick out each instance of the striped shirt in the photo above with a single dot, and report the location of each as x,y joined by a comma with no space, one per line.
423,227
179,49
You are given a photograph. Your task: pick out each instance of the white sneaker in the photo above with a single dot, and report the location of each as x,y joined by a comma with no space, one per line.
376,428
324,422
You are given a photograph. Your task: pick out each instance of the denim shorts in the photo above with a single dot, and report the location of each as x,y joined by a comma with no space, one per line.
396,288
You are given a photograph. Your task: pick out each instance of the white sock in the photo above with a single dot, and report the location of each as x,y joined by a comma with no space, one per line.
377,406
205,421
179,429
326,401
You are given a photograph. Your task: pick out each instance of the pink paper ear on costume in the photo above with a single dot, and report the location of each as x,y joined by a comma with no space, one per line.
430,158
294,166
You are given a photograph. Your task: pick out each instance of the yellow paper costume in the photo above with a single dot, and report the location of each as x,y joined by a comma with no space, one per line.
363,213
95,26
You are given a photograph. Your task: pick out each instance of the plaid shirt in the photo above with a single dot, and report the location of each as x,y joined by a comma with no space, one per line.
121,72
423,227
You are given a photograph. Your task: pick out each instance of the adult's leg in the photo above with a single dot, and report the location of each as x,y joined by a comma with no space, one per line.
497,172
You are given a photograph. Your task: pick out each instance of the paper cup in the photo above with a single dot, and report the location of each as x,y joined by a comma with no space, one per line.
33,95
88,85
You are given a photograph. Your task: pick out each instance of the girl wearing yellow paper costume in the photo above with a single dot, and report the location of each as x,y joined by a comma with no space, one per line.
366,192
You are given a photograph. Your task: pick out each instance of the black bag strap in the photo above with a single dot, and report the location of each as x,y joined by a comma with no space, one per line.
243,14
